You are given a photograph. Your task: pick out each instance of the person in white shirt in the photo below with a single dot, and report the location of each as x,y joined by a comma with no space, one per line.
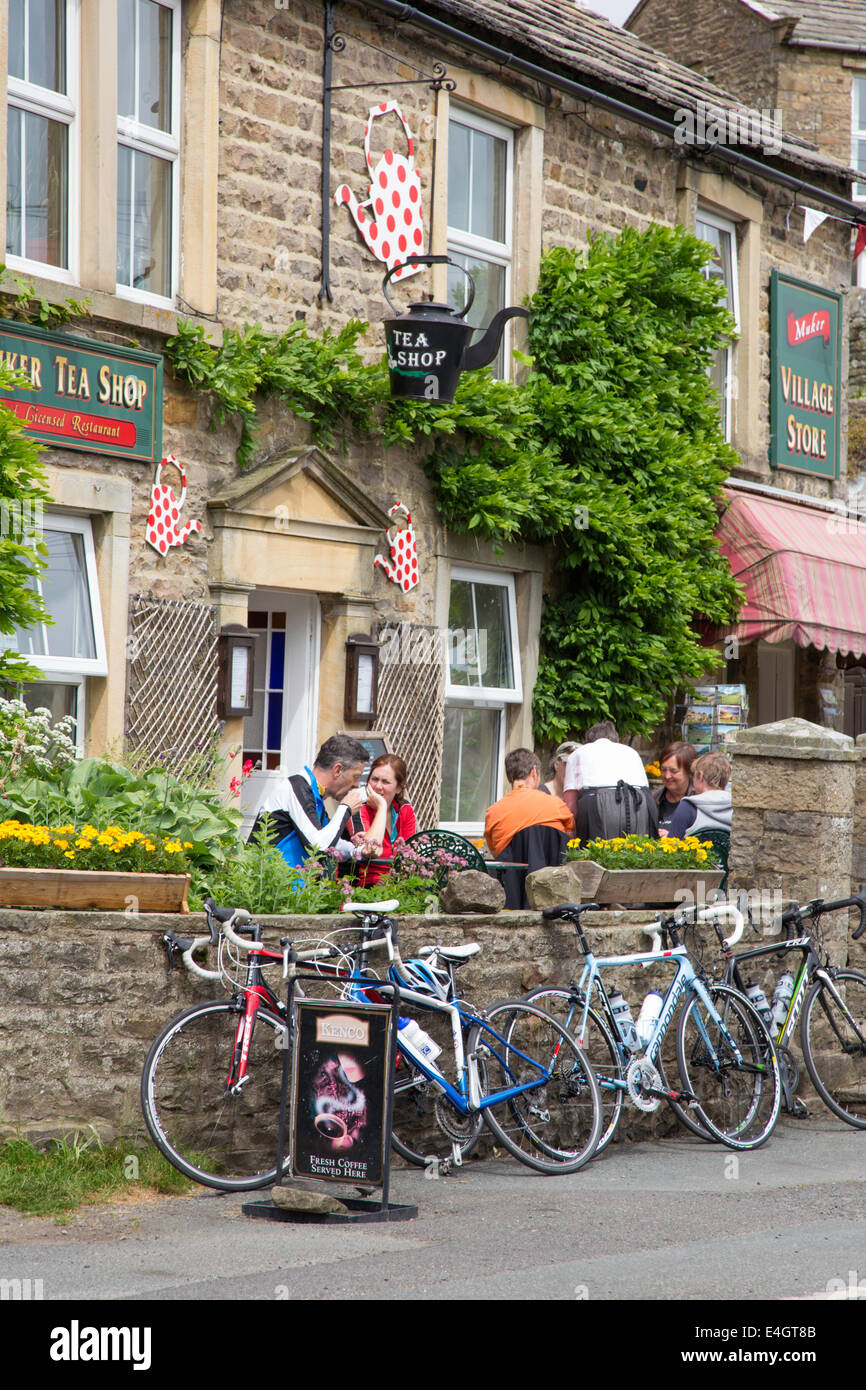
606,787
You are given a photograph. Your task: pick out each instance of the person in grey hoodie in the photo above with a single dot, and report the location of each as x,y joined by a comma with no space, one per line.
708,807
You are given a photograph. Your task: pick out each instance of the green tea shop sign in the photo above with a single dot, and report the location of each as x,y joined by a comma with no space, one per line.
84,394
805,362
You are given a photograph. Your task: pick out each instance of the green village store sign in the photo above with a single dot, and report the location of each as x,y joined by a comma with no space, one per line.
85,394
805,366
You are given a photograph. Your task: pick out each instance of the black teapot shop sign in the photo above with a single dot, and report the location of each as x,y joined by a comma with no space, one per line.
427,347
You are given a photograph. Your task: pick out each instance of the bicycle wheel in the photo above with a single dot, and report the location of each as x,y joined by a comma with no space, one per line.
737,1101
219,1138
554,1125
425,1124
566,1006
833,1037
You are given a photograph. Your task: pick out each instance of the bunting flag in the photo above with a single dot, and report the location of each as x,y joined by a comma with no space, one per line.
812,220
860,243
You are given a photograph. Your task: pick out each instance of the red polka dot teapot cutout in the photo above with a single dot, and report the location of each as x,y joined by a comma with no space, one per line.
402,567
164,528
391,220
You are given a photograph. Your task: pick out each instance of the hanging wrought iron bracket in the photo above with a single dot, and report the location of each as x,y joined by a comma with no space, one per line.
437,80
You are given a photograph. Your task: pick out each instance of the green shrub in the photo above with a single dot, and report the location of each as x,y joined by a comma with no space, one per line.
97,792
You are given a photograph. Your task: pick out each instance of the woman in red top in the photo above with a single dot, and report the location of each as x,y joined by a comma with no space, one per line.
387,816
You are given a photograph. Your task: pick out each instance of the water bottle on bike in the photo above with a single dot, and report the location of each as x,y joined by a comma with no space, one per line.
782,998
624,1021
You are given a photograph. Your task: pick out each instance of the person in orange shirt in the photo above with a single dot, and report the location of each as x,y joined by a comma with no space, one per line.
524,805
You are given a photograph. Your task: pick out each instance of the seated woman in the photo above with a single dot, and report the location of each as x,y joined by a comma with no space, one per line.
709,806
675,764
386,817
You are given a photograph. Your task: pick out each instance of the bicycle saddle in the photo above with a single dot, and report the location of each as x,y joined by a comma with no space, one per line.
457,954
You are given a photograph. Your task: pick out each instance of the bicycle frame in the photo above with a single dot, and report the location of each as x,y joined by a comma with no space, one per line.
685,979
466,1096
810,967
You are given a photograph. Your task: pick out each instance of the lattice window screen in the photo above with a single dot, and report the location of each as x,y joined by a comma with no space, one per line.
171,700
411,704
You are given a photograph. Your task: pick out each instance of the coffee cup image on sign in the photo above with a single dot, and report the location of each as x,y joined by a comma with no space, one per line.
338,1103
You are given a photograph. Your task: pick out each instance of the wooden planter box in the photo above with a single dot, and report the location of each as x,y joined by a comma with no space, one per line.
601,885
98,889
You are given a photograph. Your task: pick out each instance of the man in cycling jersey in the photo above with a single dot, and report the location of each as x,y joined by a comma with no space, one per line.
298,821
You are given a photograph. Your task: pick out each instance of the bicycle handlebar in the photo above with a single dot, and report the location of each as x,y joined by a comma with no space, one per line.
705,914
795,914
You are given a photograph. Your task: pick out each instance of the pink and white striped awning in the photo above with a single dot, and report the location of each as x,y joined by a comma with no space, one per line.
803,569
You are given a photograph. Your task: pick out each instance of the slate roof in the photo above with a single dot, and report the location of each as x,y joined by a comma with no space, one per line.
818,23
561,35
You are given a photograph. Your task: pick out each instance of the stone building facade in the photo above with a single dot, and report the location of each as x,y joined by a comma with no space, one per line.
191,148
805,61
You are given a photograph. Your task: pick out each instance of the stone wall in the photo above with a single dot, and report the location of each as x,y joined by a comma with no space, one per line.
793,788
720,39
745,54
600,173
86,994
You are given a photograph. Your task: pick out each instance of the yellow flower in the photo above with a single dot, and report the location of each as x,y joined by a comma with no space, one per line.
70,854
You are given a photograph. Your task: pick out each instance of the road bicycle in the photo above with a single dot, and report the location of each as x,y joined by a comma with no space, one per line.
210,1088
211,1082
728,1070
830,1002
217,1129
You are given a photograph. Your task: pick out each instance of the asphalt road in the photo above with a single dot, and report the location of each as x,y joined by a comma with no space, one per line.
675,1219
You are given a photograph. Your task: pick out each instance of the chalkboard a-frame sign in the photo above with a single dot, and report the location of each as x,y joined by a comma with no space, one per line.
341,1066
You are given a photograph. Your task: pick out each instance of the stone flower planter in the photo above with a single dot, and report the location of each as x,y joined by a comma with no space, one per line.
640,885
582,880
94,889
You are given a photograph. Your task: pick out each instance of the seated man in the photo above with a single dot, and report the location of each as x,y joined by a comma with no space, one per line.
299,823
525,805
606,788
709,806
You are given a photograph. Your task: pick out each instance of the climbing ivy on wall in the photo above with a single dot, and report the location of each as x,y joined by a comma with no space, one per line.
610,454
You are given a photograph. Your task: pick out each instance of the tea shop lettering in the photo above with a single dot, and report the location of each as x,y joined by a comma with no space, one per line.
410,348
112,388
78,393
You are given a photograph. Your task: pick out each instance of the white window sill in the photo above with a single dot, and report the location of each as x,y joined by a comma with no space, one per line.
112,307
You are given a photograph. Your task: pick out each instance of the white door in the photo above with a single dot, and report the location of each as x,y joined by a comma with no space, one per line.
279,735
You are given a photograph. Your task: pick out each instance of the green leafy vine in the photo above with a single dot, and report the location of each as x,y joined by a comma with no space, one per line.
610,454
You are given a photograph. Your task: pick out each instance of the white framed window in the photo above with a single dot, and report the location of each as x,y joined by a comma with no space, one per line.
483,677
480,218
73,647
42,139
148,148
61,698
722,236
858,134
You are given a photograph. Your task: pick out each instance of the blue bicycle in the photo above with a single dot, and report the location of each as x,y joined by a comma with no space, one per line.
510,1066
728,1069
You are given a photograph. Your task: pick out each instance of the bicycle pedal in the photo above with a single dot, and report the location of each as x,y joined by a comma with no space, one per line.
798,1110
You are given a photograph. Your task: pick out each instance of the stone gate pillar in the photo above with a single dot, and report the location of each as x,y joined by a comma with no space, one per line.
793,788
